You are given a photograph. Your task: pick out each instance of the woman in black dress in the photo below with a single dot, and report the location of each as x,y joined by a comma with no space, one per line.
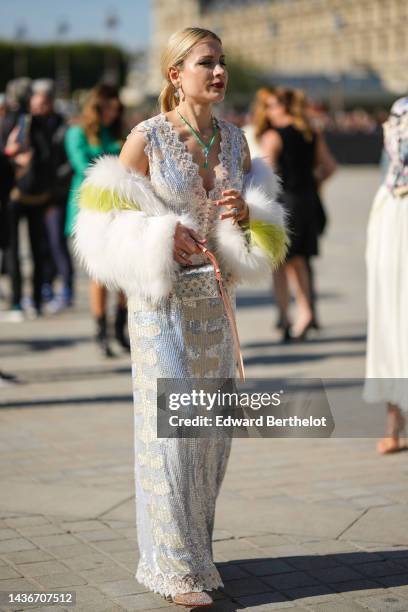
301,158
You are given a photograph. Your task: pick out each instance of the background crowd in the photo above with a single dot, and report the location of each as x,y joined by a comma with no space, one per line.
44,155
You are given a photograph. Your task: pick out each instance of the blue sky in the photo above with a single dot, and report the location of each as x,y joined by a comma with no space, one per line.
86,19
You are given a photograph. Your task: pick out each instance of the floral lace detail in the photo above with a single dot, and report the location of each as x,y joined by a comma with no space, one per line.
175,175
172,584
244,147
185,158
142,128
396,144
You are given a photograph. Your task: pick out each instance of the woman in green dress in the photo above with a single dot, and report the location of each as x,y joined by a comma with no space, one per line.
98,132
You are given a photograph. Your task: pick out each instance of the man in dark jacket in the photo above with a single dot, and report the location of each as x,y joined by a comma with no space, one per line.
29,147
56,256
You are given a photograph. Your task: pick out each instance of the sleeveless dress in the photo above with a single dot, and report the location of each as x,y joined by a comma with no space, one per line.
124,237
299,194
177,480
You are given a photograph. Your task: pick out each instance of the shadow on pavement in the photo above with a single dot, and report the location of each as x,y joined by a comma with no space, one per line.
312,340
263,581
281,359
42,344
68,373
69,401
267,299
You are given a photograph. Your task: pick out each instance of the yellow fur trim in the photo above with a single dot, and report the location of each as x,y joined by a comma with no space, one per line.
272,239
102,200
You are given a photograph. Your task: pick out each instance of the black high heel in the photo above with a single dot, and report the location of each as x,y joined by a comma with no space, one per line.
286,334
303,334
315,324
102,337
120,325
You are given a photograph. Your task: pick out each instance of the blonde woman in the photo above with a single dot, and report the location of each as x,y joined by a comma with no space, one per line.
300,157
180,182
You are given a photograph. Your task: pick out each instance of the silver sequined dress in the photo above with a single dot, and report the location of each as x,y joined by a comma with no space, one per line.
187,336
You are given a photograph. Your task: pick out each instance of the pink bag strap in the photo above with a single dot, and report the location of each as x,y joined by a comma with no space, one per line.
228,310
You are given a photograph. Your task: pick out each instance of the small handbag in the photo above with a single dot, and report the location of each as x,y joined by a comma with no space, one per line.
206,281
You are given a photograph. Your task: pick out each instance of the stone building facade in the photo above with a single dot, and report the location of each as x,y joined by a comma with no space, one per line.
297,37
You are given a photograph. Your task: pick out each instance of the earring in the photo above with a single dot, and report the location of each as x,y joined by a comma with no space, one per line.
182,97
176,94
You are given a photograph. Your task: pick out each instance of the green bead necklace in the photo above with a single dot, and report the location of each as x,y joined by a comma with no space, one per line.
205,146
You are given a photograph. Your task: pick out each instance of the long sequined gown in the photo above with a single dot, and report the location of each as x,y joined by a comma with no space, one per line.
187,336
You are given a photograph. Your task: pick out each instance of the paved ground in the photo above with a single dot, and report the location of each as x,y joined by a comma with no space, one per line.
320,525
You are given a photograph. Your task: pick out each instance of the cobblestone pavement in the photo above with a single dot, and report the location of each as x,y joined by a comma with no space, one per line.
320,524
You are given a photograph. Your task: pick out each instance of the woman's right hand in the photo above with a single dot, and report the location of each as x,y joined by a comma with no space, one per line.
185,244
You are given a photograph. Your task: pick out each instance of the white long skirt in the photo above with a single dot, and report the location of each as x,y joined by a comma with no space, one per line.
387,300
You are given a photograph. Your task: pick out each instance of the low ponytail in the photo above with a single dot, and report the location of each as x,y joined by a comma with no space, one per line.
167,98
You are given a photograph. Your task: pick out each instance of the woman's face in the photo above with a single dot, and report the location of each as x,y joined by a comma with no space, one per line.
203,76
110,111
274,109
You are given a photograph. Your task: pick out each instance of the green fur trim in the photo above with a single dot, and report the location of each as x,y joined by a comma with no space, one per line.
272,239
102,200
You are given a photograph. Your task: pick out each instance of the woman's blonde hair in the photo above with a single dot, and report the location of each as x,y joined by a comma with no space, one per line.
91,114
295,104
178,47
261,121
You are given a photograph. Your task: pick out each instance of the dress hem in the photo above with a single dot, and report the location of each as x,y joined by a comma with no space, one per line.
387,391
174,584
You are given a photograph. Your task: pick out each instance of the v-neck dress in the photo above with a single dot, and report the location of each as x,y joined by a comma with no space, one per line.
185,336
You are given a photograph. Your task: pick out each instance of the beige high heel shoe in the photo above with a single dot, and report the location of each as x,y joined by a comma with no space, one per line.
192,600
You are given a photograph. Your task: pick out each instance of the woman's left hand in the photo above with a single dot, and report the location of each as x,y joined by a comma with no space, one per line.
237,209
